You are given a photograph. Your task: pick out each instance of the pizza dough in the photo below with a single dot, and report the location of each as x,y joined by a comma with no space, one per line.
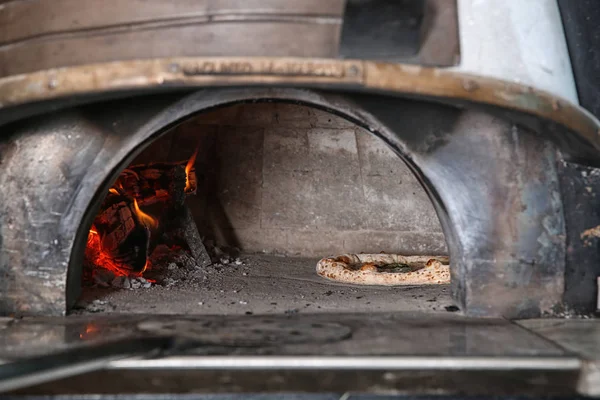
385,269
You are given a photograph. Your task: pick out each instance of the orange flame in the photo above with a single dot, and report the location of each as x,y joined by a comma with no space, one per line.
145,267
113,191
144,218
188,168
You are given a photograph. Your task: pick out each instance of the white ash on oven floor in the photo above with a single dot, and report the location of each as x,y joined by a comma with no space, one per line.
256,284
168,267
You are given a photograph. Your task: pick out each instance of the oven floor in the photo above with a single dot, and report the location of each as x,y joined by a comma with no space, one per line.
264,284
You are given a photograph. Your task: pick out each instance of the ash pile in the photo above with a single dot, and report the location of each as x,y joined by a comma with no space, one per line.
175,266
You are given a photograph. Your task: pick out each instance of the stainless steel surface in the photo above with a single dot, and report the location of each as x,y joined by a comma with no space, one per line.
42,34
425,354
516,41
361,363
498,38
66,15
423,32
441,354
580,337
417,335
75,361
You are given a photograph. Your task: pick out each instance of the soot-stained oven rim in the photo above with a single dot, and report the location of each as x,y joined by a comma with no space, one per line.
485,253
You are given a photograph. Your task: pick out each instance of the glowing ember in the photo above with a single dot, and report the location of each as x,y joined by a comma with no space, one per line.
145,219
188,168
101,258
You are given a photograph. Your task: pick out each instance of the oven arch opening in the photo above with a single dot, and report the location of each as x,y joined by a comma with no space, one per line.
269,178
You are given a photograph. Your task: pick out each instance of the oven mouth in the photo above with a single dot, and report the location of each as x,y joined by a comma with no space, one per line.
137,278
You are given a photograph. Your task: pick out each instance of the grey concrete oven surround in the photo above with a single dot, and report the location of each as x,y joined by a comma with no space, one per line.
79,102
502,220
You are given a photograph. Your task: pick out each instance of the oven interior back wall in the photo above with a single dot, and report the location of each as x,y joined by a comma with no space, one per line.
292,180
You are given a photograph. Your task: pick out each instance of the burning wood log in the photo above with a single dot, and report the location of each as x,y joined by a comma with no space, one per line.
151,183
177,220
123,236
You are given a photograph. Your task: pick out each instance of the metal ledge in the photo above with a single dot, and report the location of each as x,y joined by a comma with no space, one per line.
408,353
355,75
352,363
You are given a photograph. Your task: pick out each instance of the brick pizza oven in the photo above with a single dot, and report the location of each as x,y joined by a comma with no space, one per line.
316,124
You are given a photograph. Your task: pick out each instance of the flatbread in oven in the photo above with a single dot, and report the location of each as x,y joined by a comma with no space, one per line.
385,269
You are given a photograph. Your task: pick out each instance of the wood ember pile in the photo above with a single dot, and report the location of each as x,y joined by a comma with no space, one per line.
123,236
